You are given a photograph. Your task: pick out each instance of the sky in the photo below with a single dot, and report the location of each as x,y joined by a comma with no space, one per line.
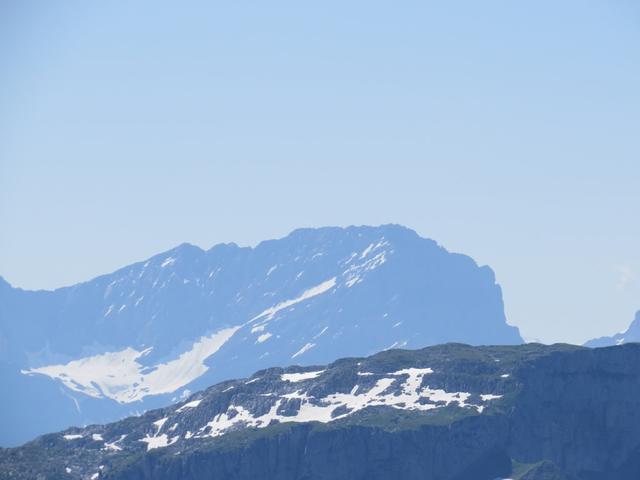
508,131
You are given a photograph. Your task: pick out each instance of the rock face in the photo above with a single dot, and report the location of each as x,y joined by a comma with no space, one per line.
632,334
450,412
148,334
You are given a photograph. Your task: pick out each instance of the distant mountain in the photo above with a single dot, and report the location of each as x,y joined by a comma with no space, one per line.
152,332
631,334
449,412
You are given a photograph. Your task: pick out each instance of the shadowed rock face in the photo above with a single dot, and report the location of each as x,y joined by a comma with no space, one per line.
147,334
528,412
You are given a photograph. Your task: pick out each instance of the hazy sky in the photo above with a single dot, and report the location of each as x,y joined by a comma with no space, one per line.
506,130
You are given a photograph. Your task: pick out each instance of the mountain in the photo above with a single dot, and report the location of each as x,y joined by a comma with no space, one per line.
631,334
148,334
448,412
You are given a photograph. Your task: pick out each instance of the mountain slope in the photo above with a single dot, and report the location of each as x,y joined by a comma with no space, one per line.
631,334
528,412
147,334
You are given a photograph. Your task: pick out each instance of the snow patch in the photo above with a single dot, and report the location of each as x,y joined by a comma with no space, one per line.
264,337
367,250
114,445
191,404
271,312
321,332
307,346
397,344
353,280
356,272
168,261
488,396
409,394
159,441
119,375
258,328
299,377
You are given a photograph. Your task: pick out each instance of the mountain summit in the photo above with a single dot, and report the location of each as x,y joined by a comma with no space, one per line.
152,332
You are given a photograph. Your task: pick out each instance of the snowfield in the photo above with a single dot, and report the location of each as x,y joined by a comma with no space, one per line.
119,375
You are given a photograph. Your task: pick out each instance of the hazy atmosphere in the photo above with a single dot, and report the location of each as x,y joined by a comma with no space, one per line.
503,132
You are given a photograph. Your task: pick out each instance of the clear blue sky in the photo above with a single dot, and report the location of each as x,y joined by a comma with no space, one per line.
505,130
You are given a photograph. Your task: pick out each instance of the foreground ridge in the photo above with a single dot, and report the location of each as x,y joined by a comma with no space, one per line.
449,411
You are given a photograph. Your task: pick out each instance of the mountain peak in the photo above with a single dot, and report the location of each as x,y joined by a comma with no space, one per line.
187,318
391,229
183,249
